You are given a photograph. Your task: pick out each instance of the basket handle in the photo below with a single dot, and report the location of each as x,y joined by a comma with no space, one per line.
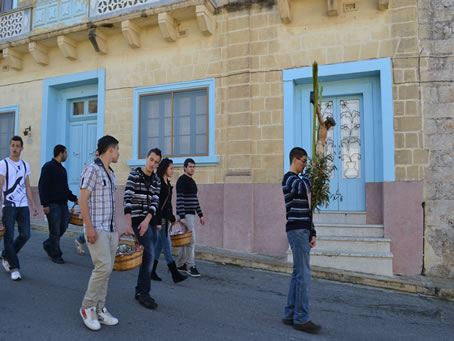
133,236
181,223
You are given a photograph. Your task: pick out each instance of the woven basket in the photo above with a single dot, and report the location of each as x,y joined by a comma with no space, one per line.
2,232
183,239
75,218
131,261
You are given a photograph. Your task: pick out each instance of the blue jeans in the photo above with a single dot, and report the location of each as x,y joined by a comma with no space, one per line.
297,307
58,220
162,242
144,279
12,247
81,238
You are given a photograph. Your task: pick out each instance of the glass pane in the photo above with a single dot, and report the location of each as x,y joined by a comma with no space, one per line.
93,106
189,123
350,139
6,132
78,108
155,123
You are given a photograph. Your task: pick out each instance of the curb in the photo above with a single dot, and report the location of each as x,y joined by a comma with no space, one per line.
422,285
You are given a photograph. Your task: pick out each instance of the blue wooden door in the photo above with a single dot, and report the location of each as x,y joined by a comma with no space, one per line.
81,138
345,144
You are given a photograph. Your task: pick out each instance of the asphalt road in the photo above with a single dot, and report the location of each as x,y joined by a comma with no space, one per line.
226,303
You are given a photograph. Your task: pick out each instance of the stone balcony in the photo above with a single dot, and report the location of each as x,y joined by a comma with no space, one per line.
15,24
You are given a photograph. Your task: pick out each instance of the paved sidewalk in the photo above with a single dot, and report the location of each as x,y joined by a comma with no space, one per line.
417,284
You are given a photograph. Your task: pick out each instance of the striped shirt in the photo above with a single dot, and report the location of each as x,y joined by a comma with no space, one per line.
101,202
187,201
141,194
296,191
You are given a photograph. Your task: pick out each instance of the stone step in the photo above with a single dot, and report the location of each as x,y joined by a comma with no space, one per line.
354,244
349,230
377,263
339,217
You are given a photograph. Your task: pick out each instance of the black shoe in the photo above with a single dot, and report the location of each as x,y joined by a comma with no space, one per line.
154,276
193,272
308,327
288,322
176,275
58,260
183,268
147,301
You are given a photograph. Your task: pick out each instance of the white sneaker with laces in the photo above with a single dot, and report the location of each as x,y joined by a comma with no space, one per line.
106,318
90,318
15,275
5,265
80,247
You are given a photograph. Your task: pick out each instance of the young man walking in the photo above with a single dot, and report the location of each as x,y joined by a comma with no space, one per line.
97,205
16,194
54,194
301,237
141,201
187,207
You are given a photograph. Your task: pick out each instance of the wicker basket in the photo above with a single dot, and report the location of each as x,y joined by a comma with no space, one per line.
75,218
131,261
2,231
182,239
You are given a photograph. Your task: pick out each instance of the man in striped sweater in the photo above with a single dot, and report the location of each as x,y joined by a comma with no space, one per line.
301,237
187,207
140,203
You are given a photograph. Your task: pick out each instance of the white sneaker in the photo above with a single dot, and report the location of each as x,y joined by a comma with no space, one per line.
5,265
80,247
15,275
104,317
90,318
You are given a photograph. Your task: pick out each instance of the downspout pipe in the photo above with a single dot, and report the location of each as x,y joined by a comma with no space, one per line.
423,204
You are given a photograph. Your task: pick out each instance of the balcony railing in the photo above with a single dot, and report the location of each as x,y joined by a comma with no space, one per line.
15,24
107,8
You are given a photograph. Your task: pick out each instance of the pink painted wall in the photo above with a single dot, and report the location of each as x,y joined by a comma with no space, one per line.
374,203
403,222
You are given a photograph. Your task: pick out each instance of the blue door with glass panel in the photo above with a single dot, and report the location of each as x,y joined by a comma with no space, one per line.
82,141
345,144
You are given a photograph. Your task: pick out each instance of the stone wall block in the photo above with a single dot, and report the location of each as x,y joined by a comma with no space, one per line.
411,141
421,156
403,157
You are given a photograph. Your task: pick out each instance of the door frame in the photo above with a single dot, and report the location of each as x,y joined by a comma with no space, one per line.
52,122
382,154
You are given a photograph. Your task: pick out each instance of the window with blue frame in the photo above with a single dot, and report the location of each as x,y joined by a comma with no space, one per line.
6,132
178,118
7,5
175,122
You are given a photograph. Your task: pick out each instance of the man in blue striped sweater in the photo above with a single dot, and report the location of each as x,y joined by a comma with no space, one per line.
187,206
301,237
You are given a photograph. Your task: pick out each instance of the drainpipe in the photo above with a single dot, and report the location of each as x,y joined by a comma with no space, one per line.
423,204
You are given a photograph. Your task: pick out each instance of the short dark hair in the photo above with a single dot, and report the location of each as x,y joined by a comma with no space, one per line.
162,168
157,151
329,120
17,138
105,142
297,152
188,161
59,148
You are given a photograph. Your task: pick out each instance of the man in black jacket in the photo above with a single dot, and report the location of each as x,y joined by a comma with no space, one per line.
54,194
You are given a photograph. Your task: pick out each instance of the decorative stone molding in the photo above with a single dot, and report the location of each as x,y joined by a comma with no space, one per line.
39,53
168,26
13,58
286,11
49,14
131,32
98,40
68,47
15,24
383,4
333,8
206,19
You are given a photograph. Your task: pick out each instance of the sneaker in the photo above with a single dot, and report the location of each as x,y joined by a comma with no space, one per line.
183,268
15,275
5,264
104,317
193,272
308,327
147,301
79,247
90,318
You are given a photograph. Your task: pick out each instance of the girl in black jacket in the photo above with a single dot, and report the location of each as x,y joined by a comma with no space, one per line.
165,218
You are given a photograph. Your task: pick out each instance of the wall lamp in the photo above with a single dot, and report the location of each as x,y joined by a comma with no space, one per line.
27,131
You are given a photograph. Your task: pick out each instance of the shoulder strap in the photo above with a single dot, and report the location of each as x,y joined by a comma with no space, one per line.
7,173
25,169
